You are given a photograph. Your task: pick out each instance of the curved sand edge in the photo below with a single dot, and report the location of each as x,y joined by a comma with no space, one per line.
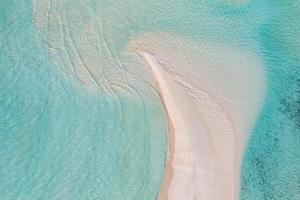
183,170
212,95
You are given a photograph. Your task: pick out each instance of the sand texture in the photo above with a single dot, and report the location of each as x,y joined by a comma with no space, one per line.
210,107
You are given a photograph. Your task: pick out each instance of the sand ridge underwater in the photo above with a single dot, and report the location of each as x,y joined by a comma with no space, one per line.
80,117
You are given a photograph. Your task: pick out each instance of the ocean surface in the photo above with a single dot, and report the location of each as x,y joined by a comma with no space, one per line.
80,117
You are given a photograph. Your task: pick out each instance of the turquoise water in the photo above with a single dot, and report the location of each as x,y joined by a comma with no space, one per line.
79,118
62,141
272,161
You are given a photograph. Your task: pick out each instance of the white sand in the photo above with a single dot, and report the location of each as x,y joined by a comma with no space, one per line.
210,115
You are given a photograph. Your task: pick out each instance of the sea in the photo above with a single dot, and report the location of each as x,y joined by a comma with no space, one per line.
80,117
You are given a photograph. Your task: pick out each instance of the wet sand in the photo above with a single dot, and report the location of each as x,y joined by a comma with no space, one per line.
208,125
185,169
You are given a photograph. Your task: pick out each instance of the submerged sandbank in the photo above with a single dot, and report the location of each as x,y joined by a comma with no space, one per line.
211,109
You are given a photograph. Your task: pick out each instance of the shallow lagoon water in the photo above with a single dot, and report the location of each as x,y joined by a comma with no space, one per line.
94,128
60,140
271,164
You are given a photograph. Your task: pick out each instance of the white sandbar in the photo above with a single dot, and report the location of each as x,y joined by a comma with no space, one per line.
207,122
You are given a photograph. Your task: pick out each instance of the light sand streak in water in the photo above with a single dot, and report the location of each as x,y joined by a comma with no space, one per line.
206,137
